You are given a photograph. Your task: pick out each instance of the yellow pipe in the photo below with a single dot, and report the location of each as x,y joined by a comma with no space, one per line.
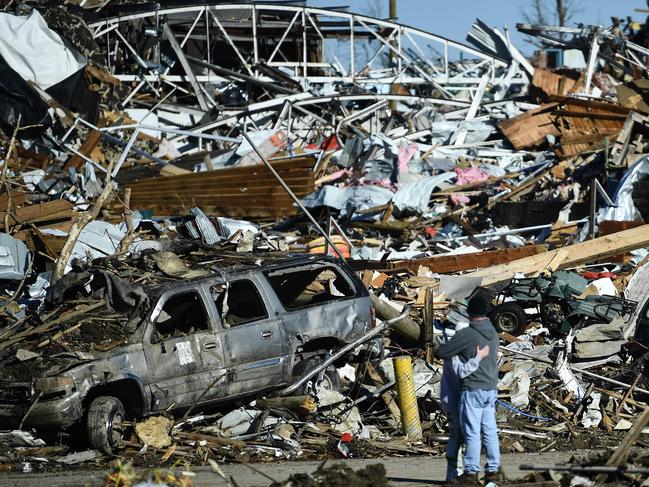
407,398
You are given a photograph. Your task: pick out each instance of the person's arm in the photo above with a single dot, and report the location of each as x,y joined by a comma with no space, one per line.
454,346
464,369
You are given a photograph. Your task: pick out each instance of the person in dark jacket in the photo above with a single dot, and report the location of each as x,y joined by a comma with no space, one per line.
450,392
479,392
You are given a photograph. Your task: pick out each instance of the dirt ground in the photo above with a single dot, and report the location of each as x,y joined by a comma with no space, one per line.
401,471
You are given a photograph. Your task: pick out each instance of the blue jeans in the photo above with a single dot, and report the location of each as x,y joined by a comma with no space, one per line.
478,421
453,445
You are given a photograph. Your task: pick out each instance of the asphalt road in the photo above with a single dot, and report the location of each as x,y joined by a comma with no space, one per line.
402,472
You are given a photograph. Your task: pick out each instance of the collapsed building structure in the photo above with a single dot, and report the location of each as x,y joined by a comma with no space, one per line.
162,142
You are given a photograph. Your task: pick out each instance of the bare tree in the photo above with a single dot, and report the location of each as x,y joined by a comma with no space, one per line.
373,8
552,12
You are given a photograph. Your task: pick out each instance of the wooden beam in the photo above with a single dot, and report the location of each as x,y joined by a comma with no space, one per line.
48,211
86,149
622,451
577,254
448,264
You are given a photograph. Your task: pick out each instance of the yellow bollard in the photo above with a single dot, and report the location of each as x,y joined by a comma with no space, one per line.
405,379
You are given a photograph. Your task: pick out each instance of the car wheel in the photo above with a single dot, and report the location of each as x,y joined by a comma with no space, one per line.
327,379
509,318
105,424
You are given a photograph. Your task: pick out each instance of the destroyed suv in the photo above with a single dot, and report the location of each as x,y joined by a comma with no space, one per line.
236,331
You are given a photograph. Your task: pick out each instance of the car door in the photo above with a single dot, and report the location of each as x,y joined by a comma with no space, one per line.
184,355
251,336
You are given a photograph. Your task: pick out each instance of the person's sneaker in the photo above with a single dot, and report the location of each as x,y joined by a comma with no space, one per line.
495,477
468,479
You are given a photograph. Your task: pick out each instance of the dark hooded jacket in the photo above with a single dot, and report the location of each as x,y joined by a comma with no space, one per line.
464,343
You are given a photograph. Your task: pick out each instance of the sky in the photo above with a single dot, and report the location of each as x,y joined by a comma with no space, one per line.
453,18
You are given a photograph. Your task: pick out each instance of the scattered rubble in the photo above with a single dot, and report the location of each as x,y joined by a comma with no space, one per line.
172,176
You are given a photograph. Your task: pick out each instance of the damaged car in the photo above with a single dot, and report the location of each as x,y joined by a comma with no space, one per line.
227,329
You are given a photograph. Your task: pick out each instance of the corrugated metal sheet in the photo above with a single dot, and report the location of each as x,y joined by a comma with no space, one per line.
246,192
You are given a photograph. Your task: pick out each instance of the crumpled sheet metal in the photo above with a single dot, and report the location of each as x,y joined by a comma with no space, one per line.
14,258
205,227
348,200
97,239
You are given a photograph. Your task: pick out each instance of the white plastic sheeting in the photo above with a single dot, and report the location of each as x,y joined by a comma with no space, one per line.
36,52
624,209
415,196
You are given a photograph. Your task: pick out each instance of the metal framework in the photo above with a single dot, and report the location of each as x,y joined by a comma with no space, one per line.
305,115
280,45
596,42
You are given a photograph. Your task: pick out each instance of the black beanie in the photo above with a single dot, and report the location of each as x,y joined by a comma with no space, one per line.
478,305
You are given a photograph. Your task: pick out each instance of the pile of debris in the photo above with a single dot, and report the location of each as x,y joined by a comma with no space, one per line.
172,176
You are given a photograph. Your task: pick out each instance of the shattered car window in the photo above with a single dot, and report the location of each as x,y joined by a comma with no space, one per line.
307,287
239,303
182,314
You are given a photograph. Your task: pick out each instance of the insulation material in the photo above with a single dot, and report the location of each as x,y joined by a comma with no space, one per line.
625,209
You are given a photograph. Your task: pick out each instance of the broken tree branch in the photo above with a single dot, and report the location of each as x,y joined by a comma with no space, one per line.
128,218
80,223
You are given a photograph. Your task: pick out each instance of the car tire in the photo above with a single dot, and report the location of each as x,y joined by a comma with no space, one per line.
104,429
330,378
509,318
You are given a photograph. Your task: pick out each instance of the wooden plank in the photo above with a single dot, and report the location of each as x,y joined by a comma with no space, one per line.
86,148
257,201
556,84
589,104
233,181
389,397
602,116
578,254
622,451
609,227
227,210
50,210
555,261
280,166
530,128
569,118
171,170
18,198
446,264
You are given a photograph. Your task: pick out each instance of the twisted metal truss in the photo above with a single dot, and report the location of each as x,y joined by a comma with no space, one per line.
283,48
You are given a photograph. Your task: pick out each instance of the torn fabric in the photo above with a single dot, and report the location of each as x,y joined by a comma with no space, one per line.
36,52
